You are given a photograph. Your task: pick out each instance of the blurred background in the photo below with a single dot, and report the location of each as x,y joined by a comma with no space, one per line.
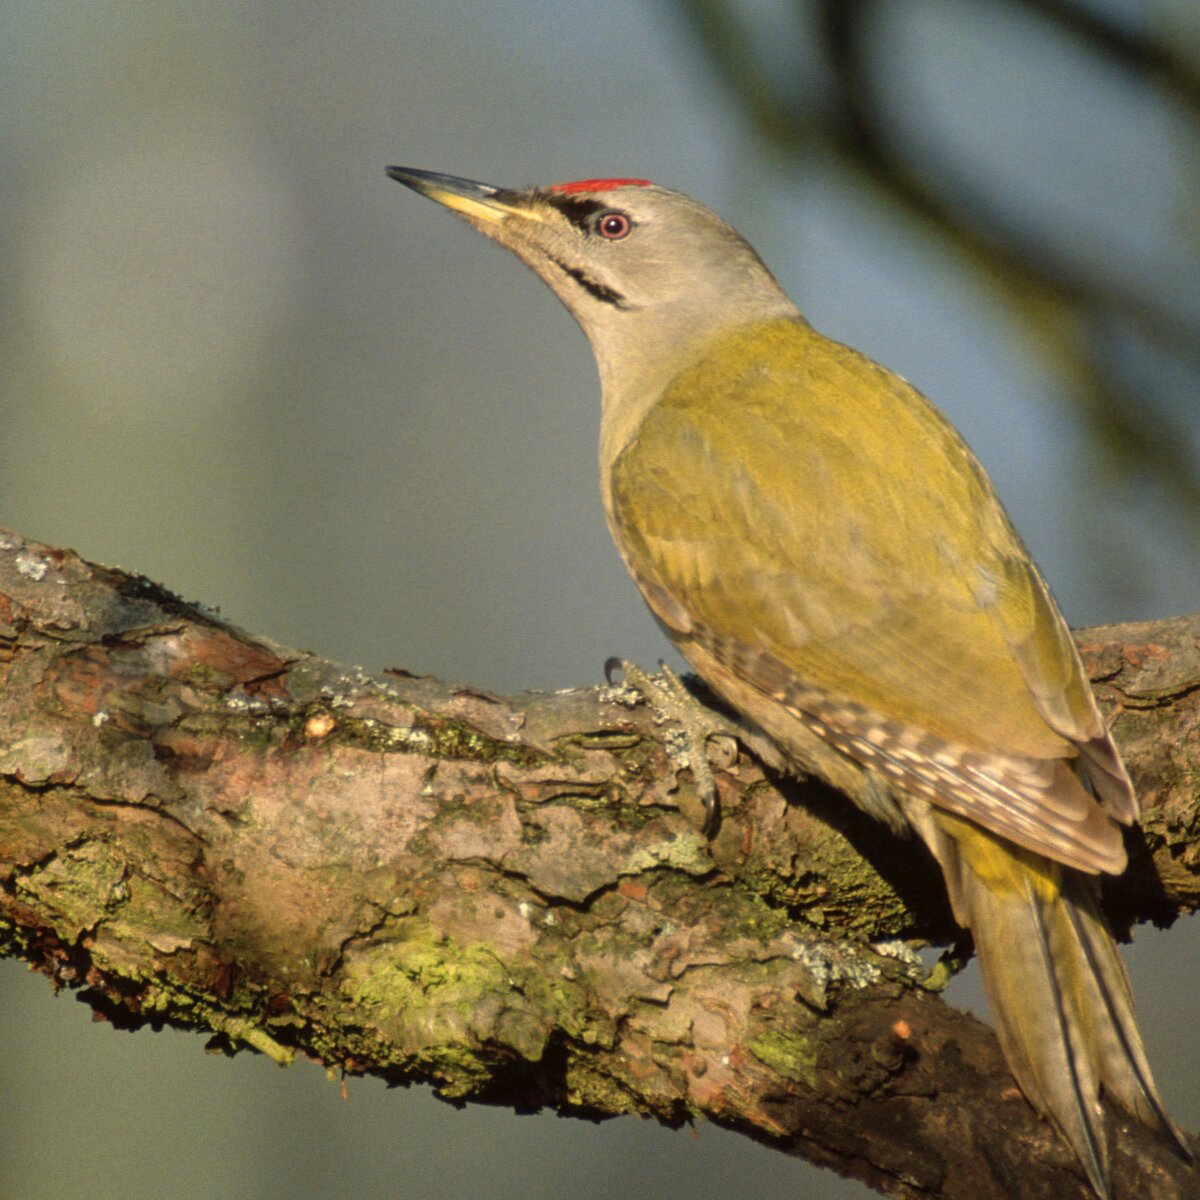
236,358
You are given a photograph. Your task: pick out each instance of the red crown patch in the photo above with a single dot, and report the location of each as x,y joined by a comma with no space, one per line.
597,185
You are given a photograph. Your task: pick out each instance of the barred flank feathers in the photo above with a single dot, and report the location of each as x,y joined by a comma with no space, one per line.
1038,803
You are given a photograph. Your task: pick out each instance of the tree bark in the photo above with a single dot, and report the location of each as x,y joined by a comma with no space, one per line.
509,898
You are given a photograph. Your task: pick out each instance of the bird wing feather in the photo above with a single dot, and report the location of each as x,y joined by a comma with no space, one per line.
895,610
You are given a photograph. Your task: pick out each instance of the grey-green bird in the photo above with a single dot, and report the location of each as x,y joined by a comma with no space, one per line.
829,555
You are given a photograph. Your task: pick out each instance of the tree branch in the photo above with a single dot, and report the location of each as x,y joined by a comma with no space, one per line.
508,898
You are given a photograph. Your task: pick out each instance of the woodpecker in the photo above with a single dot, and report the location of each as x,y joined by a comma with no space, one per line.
827,553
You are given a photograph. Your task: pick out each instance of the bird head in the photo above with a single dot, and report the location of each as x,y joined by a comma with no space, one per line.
647,272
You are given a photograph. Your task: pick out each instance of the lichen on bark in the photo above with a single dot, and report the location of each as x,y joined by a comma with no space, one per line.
509,897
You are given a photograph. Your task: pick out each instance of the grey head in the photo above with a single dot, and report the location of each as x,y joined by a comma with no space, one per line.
649,273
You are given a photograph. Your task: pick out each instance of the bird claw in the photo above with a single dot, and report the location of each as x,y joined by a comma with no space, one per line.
670,700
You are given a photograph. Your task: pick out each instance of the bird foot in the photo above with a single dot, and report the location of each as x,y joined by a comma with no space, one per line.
688,745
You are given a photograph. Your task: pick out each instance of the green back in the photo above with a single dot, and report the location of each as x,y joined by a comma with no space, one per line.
797,498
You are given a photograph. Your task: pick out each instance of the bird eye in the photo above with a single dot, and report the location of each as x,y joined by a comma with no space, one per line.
613,225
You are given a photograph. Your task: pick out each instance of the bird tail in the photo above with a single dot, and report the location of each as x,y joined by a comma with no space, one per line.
1057,987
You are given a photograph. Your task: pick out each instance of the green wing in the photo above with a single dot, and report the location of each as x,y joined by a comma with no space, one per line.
798,505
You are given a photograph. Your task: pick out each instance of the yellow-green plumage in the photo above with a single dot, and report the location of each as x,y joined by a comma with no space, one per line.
764,487
793,497
823,546
828,554
825,549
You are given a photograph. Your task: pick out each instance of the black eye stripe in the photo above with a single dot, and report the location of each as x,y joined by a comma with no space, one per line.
579,210
587,213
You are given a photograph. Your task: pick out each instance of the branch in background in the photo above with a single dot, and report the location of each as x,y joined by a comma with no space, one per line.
1068,311
508,898
1141,55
